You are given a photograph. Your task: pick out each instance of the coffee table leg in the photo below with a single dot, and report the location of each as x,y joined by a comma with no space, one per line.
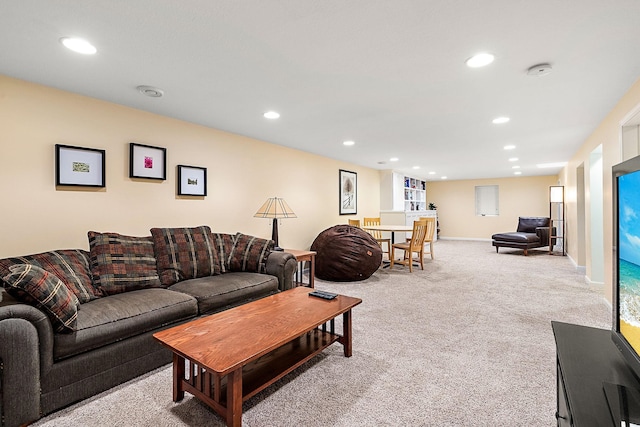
346,333
178,376
234,398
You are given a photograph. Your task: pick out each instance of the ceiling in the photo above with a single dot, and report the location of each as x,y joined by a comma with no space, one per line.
389,75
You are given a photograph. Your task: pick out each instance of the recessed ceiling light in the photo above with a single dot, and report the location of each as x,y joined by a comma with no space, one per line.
480,60
416,167
539,70
78,45
432,173
551,165
515,167
348,143
151,91
271,115
517,173
500,120
513,159
509,147
393,159
443,177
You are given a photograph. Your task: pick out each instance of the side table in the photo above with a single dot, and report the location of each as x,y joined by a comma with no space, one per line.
301,257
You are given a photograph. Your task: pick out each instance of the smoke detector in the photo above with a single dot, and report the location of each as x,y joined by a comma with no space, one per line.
151,91
539,70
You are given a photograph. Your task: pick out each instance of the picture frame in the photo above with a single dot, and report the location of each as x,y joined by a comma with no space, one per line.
80,166
348,192
192,181
147,162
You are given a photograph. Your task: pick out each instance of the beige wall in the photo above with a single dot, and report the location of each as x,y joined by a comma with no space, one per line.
242,174
522,196
607,134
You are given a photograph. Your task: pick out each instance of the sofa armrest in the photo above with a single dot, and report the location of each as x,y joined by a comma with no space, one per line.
283,265
543,234
26,353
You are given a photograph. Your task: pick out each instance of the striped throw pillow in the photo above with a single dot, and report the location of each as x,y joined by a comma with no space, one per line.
122,263
71,266
33,285
249,253
184,253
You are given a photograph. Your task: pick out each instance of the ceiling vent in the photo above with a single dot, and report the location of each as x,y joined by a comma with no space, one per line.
539,70
151,91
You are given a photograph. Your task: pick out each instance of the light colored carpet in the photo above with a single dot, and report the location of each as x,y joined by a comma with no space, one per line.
466,342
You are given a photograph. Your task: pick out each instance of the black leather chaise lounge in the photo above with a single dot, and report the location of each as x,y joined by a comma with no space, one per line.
532,232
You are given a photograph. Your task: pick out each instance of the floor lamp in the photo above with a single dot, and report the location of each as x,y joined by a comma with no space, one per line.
275,208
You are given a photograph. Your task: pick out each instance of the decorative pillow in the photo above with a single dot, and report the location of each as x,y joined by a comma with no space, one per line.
184,253
33,285
122,263
71,266
249,253
224,245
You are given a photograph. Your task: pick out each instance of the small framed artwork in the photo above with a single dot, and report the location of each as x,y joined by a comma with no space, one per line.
348,192
80,166
148,162
192,181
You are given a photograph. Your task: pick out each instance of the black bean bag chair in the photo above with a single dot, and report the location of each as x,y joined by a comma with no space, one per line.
346,254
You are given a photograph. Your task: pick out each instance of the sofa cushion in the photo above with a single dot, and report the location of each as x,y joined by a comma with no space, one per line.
122,263
224,245
250,253
33,285
116,317
516,237
71,266
217,292
184,253
529,224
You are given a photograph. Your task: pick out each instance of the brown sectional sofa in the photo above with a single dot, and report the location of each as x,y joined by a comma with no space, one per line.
108,302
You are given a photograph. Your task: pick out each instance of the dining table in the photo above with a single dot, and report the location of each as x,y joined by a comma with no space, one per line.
393,229
390,228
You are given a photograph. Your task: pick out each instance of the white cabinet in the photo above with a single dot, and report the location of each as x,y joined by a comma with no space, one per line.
399,192
406,218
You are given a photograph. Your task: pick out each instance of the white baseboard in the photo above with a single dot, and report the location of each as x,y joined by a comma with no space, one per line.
465,238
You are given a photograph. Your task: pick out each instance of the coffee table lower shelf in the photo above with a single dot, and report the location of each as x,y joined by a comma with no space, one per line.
211,387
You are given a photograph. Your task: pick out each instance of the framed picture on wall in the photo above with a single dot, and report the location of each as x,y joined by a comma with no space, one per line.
148,162
348,192
192,181
80,166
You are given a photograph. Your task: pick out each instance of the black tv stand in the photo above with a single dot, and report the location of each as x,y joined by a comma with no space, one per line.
593,379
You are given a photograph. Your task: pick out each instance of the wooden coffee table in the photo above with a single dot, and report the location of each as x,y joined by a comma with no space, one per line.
234,354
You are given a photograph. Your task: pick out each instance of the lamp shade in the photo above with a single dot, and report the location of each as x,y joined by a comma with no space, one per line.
275,207
556,194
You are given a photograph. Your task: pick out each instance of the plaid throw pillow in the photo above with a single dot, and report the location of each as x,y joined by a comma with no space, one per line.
184,253
122,263
224,245
35,286
71,266
250,253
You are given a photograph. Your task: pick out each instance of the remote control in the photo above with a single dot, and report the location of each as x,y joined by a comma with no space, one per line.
323,295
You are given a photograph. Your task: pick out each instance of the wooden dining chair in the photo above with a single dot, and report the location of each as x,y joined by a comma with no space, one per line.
354,223
377,234
415,245
431,231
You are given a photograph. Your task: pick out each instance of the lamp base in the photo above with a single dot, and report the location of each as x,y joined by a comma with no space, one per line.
278,249
274,234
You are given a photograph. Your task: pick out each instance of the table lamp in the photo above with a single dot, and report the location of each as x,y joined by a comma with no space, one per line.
275,208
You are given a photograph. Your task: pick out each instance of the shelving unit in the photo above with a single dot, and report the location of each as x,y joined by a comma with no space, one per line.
415,194
556,214
400,192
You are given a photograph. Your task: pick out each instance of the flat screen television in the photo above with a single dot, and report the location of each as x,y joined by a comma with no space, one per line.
626,268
